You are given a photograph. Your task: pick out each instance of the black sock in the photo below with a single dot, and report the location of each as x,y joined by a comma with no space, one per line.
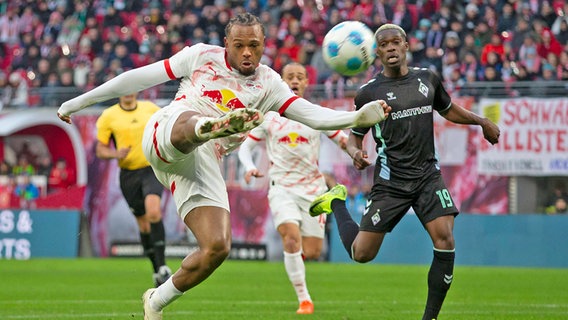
158,235
440,278
348,229
148,247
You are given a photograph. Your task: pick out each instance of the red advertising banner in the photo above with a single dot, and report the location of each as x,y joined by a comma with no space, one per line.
534,137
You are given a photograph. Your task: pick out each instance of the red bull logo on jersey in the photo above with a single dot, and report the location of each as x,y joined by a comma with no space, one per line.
224,99
293,139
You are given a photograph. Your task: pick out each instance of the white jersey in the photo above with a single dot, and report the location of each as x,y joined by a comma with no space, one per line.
293,150
212,87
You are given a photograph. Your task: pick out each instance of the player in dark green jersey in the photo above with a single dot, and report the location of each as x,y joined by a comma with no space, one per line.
407,173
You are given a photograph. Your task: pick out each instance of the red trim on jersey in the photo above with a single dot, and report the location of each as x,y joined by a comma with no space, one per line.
169,69
179,98
227,61
334,135
253,137
173,187
287,104
155,143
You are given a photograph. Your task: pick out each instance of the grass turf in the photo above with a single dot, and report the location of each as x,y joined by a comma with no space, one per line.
111,289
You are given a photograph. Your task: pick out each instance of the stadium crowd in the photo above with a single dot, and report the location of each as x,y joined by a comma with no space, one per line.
76,45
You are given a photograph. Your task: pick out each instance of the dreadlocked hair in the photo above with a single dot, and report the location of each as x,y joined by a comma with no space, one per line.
243,19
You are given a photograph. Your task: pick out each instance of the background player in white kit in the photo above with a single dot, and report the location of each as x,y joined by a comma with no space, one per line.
295,181
223,91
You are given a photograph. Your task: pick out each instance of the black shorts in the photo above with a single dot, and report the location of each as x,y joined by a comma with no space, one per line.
136,185
391,200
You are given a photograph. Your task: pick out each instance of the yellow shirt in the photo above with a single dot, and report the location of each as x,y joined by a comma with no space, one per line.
125,128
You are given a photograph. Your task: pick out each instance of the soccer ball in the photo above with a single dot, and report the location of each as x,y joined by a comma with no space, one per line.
349,48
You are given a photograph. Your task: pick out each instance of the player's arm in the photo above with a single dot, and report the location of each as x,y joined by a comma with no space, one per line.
106,151
245,156
339,138
321,118
356,151
130,81
456,114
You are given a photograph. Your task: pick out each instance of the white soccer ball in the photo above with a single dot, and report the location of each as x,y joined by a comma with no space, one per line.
349,48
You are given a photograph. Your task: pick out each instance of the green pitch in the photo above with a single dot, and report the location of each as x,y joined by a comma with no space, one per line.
111,289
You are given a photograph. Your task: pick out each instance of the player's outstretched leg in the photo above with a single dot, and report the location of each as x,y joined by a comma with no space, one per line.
334,201
322,204
236,121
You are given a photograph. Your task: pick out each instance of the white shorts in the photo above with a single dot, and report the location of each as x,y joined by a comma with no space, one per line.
288,207
194,179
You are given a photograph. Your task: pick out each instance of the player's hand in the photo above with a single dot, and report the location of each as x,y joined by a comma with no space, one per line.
252,173
342,143
372,113
122,153
491,131
360,160
64,118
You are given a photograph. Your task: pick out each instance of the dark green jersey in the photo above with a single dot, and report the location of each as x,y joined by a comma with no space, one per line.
405,140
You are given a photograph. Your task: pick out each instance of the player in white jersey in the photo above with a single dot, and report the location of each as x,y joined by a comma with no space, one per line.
223,91
295,181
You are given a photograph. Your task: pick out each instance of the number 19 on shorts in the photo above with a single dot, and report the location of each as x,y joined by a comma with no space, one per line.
445,198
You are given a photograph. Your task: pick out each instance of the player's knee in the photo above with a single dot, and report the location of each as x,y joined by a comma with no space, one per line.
217,251
154,215
363,256
445,242
291,244
311,253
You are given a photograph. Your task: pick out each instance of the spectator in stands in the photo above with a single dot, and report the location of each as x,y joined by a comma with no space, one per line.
471,19
81,70
450,63
9,27
61,176
26,191
561,32
548,44
54,25
132,46
5,168
23,166
452,43
121,54
528,56
402,16
433,60
422,30
507,19
491,74
7,193
112,18
434,36
16,92
42,73
335,86
521,74
556,202
495,46
483,33
444,16
546,13
44,165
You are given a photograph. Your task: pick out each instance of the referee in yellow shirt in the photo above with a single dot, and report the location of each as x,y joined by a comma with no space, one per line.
123,125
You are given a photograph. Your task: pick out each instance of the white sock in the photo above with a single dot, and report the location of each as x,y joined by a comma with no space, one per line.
296,270
164,295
